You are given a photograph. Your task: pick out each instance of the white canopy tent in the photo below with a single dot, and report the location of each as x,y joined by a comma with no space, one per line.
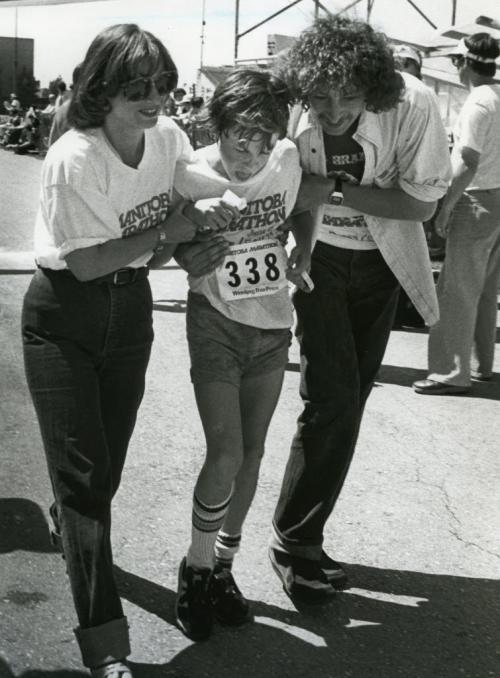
32,3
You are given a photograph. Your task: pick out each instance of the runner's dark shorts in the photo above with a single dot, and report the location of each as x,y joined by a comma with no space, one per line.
222,349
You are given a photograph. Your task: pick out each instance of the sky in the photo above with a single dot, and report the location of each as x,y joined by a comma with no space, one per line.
62,33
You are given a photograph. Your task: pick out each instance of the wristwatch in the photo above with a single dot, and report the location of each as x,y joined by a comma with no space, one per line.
336,197
162,239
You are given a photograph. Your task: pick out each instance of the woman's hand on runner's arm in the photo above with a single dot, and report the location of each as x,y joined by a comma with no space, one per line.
93,262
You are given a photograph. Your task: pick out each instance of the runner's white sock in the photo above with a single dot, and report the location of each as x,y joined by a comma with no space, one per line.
206,523
226,547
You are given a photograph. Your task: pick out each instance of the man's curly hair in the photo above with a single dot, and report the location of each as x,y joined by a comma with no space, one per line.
342,54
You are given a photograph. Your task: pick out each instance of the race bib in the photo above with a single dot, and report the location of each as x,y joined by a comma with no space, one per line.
253,269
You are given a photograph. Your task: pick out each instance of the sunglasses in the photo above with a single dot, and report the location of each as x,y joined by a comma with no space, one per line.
141,88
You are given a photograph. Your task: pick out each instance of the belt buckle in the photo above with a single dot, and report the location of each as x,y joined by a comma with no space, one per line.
124,276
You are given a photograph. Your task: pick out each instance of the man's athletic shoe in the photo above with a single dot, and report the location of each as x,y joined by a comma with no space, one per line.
334,571
193,609
301,577
229,604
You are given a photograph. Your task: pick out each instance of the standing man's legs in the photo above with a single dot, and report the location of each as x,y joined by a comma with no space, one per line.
343,328
483,351
470,244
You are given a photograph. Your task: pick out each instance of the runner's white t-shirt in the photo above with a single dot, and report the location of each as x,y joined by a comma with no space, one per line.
270,196
89,196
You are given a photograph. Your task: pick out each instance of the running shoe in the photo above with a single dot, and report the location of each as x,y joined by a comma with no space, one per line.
229,605
193,608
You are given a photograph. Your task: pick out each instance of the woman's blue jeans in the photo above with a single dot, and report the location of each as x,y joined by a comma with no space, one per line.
86,350
343,327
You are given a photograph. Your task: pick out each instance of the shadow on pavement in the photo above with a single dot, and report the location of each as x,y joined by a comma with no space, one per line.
393,624
5,672
23,526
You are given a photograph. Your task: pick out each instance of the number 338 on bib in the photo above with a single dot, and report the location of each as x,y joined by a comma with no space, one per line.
253,269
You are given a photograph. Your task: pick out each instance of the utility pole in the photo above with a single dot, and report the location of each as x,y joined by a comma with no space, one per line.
454,12
202,36
369,10
15,52
236,29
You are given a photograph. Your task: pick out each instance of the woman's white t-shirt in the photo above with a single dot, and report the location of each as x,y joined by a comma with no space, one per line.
89,196
270,196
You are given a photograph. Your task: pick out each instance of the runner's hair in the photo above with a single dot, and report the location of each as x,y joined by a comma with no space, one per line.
251,103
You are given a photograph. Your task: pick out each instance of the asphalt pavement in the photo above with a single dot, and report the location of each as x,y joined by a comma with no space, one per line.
417,524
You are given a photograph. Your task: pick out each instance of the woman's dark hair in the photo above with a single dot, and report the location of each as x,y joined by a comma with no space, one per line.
252,102
343,55
485,46
113,58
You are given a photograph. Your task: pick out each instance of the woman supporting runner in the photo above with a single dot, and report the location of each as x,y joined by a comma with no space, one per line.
87,315
238,329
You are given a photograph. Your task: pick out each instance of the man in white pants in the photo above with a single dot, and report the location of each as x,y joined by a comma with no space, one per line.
470,219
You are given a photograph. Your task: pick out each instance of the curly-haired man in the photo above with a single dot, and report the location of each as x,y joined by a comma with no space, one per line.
375,157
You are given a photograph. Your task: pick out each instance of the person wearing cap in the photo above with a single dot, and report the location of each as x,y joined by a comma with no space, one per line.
462,344
408,59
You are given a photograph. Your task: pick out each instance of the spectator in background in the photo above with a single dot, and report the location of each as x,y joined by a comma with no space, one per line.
178,94
11,130
469,218
62,94
29,137
50,109
408,59
60,121
196,108
13,105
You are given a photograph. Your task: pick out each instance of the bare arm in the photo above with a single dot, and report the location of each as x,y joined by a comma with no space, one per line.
299,260
93,262
389,203
464,165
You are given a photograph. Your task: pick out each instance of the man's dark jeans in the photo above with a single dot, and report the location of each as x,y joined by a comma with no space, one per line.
86,350
343,327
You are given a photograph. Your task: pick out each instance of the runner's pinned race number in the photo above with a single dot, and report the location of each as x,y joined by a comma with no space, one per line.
253,269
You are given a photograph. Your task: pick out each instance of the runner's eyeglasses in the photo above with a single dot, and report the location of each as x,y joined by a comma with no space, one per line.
141,88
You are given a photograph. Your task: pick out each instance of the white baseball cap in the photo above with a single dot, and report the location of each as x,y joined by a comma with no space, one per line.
407,52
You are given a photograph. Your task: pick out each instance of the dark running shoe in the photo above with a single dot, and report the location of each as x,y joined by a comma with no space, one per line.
334,571
301,577
229,605
193,609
